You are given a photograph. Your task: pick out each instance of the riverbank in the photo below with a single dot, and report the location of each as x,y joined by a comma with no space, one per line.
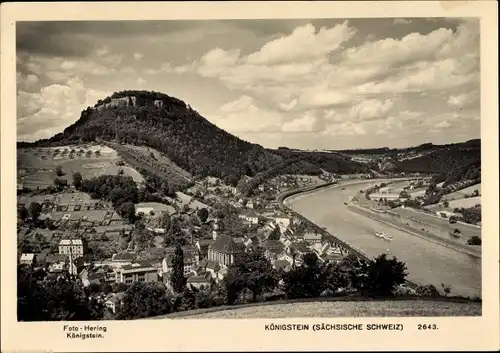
289,194
328,209
379,217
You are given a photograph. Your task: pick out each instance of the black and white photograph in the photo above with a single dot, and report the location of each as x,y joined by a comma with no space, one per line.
276,168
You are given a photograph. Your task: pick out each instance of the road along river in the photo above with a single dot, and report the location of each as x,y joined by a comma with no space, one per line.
427,262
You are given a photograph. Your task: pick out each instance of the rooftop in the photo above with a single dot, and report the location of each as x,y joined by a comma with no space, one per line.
138,267
226,245
27,257
70,242
197,279
123,257
281,264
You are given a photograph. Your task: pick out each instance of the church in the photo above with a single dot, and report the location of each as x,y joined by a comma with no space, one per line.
223,248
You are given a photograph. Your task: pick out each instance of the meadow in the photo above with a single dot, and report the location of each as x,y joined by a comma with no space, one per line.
460,194
382,308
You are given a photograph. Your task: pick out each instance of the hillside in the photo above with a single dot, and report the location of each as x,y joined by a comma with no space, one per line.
192,143
442,160
335,308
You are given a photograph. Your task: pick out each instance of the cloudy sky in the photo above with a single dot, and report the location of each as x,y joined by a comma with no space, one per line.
336,83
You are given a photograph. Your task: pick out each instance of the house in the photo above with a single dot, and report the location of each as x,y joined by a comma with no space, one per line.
273,248
158,103
250,204
114,301
28,259
92,278
202,245
136,272
191,261
187,249
75,247
331,258
250,217
224,249
200,282
211,268
312,237
57,267
282,265
282,221
299,248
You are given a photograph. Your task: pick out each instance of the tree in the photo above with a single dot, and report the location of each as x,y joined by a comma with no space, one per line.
59,171
60,183
127,211
446,289
144,300
275,234
474,240
252,271
77,180
427,291
203,214
446,203
337,277
307,280
384,275
22,213
34,210
52,300
177,277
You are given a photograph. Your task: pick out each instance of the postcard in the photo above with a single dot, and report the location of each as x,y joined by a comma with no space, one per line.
209,176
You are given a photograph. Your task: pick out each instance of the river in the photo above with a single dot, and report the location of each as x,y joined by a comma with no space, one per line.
427,262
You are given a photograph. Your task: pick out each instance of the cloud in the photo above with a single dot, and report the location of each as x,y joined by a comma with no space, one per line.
304,43
277,77
443,124
53,108
243,115
464,99
390,52
371,110
304,124
26,82
401,21
60,69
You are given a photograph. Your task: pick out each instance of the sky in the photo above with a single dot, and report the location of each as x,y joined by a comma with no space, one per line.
309,84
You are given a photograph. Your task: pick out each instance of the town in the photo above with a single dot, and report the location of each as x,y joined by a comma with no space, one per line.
66,232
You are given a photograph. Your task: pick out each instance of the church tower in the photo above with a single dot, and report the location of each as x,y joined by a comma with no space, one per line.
217,228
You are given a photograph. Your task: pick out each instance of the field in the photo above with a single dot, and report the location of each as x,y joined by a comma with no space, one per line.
396,308
154,162
417,192
465,203
435,224
37,166
460,194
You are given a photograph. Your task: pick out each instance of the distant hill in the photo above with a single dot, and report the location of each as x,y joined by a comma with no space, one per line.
443,160
191,142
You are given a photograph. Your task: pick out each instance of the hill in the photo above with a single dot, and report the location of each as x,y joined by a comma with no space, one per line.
449,162
189,141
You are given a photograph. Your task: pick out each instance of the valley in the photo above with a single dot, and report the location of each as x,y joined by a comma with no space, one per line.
142,183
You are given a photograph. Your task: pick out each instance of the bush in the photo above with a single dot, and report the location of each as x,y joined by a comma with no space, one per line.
401,291
474,240
428,290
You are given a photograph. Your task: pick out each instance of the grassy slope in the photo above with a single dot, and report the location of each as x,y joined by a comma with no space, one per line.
333,307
